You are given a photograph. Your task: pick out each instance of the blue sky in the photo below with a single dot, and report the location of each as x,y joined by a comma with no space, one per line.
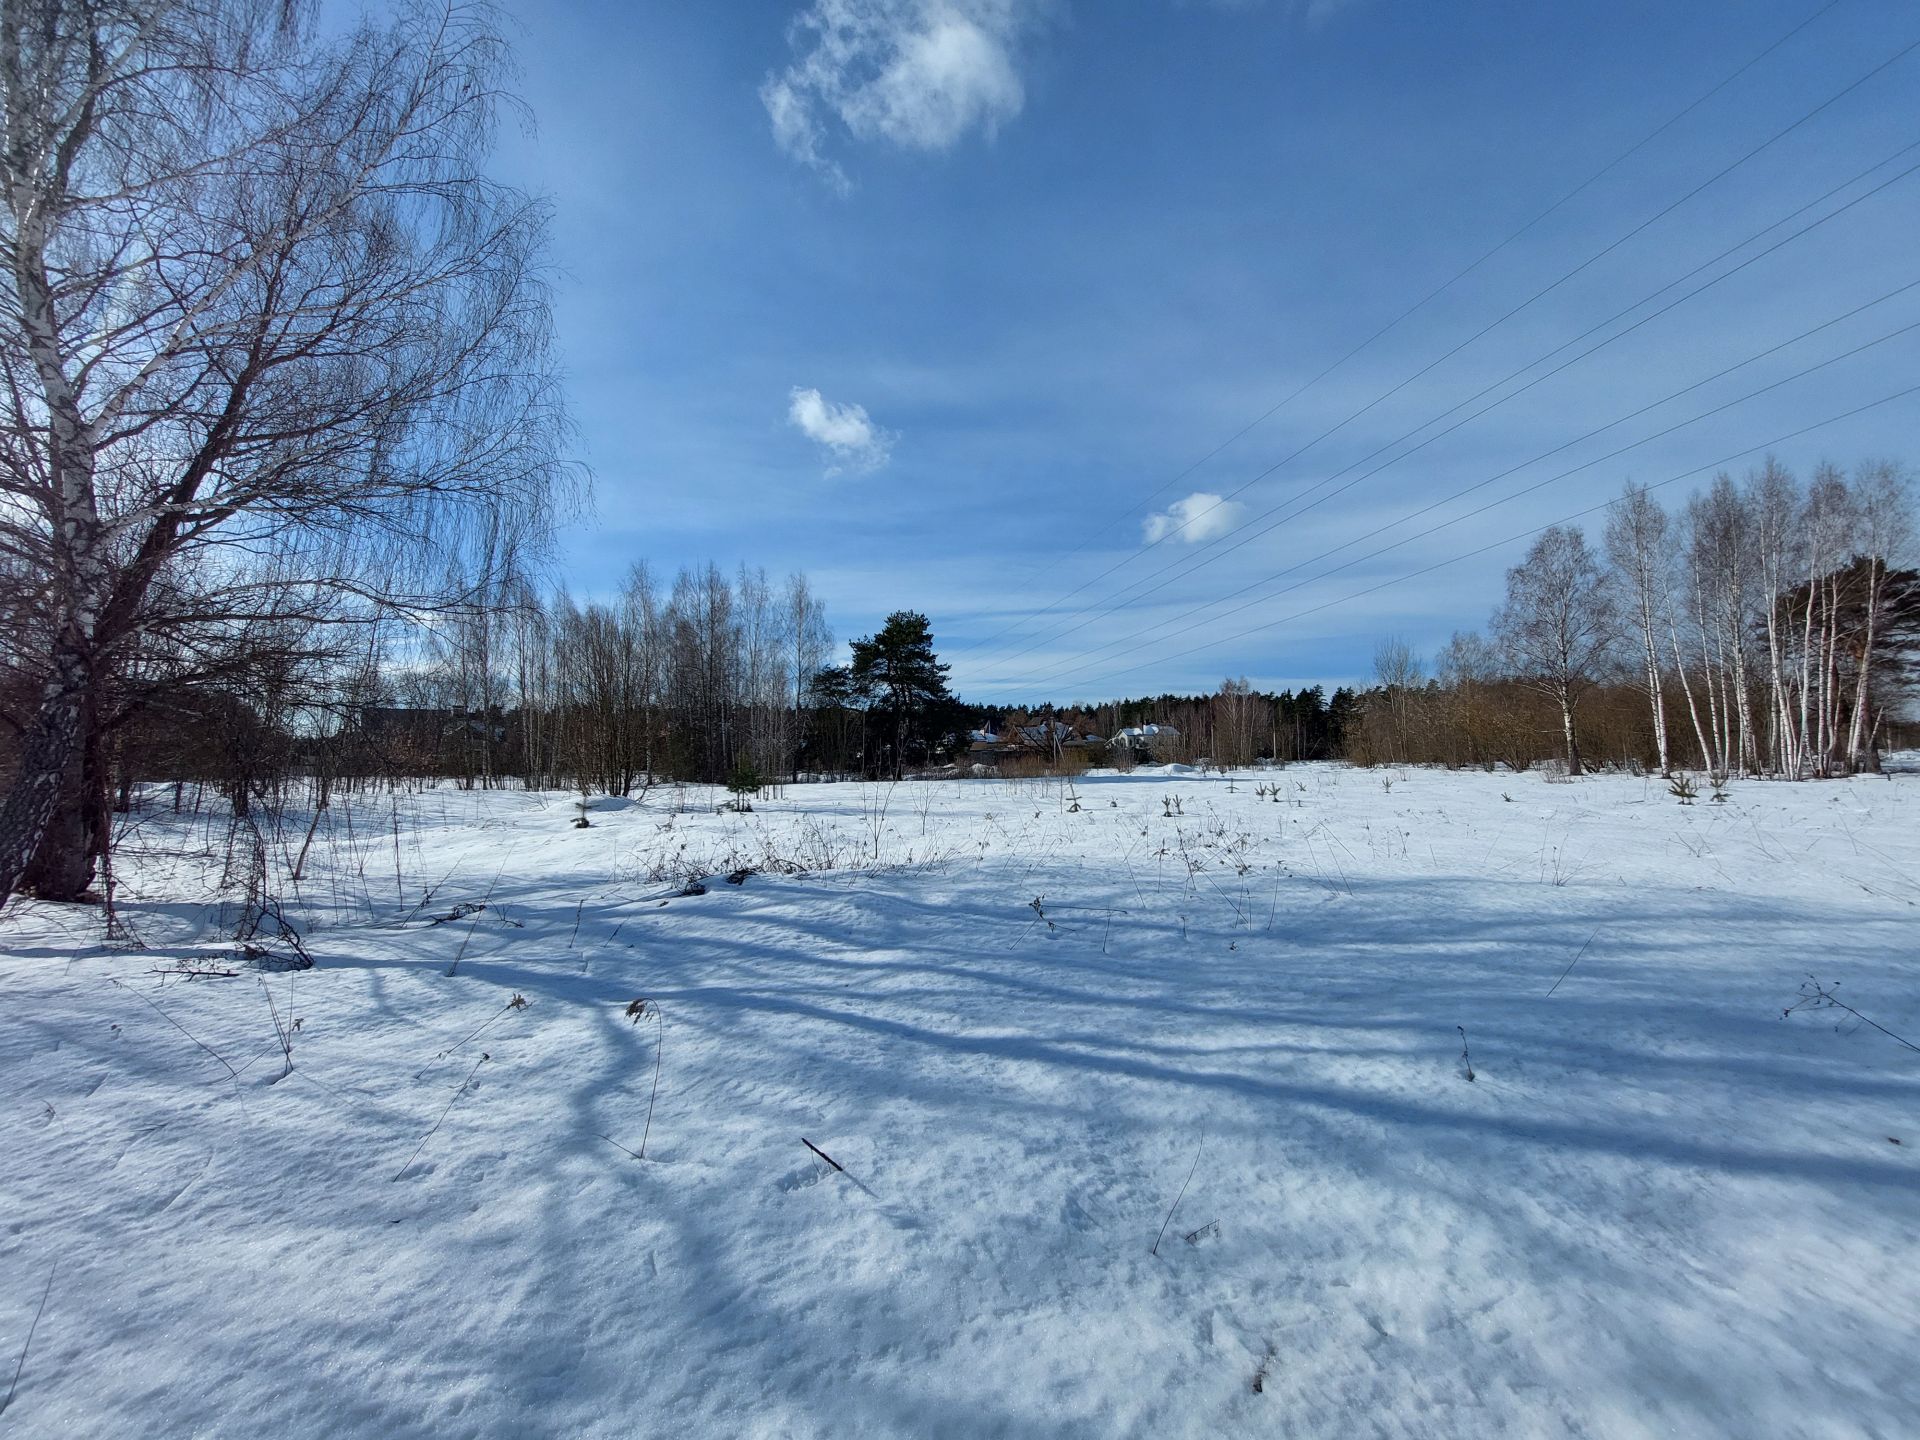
942,300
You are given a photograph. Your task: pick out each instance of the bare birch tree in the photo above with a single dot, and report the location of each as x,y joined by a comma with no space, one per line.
1400,673
1826,527
1883,533
1557,626
1773,503
1720,559
257,299
1639,545
811,643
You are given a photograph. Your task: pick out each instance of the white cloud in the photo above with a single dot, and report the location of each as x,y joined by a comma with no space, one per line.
846,432
1200,516
919,74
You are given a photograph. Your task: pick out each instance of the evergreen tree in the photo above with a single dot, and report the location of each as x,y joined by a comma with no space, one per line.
907,683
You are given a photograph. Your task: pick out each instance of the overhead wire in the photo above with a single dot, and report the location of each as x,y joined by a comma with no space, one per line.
1092,661
1437,291
1505,540
1215,549
1517,309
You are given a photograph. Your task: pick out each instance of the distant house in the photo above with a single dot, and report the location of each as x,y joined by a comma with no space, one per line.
426,722
1148,741
1044,735
1042,739
426,738
983,747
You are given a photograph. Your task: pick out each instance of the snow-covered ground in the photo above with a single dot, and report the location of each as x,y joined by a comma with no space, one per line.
1658,1208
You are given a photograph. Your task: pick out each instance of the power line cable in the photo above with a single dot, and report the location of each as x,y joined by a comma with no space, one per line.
1141,637
1697,470
1457,277
1134,592
1538,295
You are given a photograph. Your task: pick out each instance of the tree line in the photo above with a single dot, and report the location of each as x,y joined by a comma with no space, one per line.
1768,626
713,679
689,681
1235,725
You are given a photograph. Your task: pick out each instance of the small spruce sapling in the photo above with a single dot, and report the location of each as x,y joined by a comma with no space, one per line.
743,784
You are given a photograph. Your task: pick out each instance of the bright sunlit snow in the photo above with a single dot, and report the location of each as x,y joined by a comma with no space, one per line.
1020,1015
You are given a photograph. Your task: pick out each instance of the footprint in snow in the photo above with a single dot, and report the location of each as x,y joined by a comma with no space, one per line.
800,1179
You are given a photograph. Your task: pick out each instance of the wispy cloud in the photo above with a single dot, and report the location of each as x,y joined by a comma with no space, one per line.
845,432
1200,516
919,74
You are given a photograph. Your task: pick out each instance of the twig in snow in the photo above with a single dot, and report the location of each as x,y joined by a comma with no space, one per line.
1815,996
518,1002
1465,1056
283,1030
823,1155
21,1364
1178,1198
181,1028
851,1177
637,1011
399,885
461,953
1260,1375
1571,963
618,1146
484,1057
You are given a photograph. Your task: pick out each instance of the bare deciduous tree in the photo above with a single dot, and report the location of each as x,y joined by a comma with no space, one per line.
1400,672
1557,626
1641,552
1884,532
257,299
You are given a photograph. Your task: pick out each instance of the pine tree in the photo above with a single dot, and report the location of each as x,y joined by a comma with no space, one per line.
899,670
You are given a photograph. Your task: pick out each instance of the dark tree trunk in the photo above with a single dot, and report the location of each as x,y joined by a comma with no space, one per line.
47,817
74,836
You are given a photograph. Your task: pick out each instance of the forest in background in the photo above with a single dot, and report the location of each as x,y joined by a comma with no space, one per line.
1765,628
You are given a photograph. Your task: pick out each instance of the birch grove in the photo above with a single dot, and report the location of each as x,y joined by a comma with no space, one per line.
1769,626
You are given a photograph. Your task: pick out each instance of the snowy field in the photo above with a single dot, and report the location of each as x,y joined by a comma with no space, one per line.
1020,1022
